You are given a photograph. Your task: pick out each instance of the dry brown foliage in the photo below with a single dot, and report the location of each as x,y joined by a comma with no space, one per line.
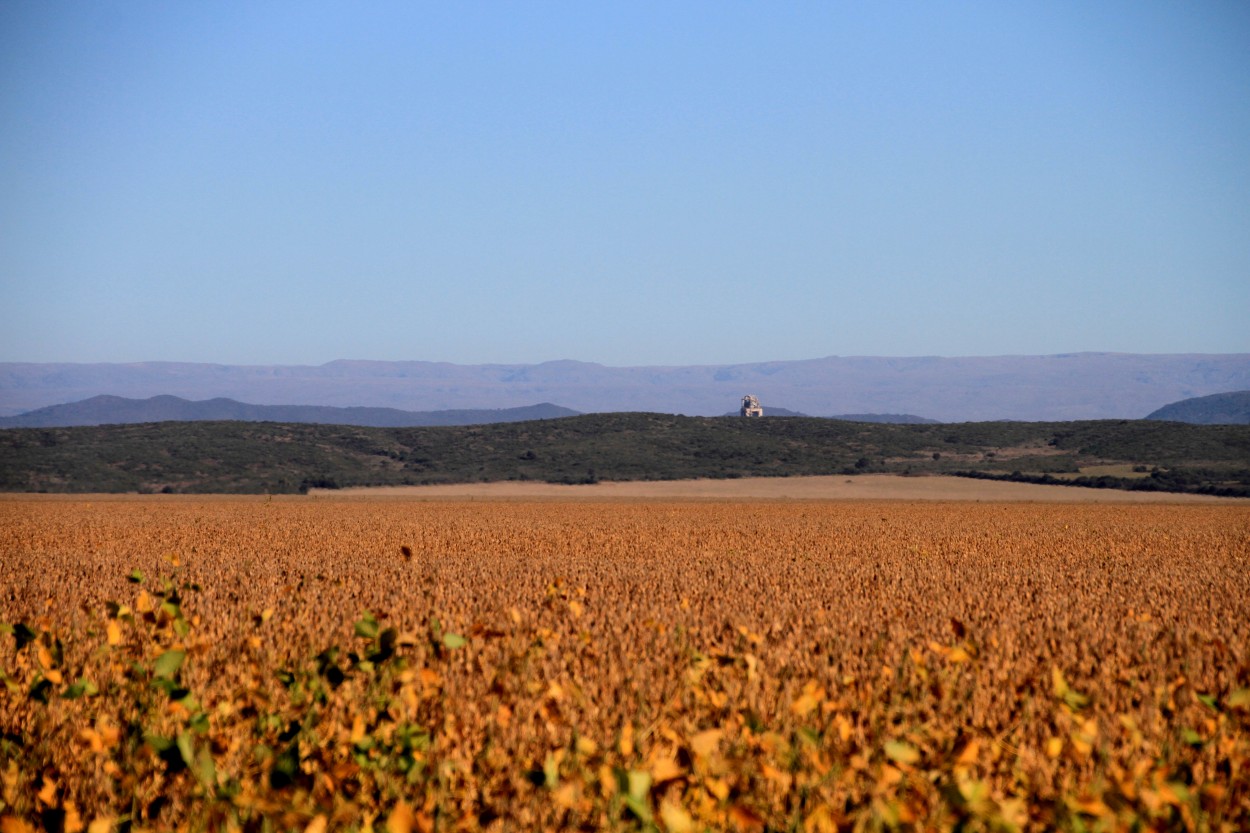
316,664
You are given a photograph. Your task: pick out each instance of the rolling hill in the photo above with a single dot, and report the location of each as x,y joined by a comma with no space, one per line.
258,457
1217,409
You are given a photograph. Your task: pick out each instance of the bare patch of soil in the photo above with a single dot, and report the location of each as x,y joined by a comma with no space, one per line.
858,487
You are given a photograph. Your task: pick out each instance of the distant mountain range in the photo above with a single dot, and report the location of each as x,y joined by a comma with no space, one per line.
1062,387
1218,409
117,410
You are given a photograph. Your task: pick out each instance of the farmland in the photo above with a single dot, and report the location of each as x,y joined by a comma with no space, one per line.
316,663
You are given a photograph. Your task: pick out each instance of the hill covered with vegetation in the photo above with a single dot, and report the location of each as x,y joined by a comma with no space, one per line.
250,457
1217,409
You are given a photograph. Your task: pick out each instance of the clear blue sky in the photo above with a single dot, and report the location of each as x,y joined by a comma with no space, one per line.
628,183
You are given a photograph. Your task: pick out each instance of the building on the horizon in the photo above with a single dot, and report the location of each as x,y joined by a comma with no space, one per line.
751,406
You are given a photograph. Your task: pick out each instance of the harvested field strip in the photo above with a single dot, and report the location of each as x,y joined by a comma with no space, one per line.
839,487
580,665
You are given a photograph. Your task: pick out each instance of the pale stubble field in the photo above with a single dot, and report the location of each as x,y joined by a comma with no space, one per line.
627,662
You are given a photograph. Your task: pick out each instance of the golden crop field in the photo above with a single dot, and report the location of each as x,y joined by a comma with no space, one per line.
324,663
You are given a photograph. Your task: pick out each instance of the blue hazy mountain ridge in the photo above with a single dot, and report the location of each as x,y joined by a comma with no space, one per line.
1050,388
1232,408
116,410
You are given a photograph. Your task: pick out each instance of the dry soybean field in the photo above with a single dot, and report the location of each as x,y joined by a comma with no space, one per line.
323,663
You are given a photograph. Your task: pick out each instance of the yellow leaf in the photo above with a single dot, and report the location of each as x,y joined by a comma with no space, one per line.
890,776
110,735
114,632
1053,747
1214,792
92,739
627,740
745,818
773,774
575,607
808,701
401,819
12,824
753,638
72,822
820,821
665,769
1089,805
47,795
675,818
718,787
565,796
968,756
317,825
958,654
607,781
1058,683
1014,812
101,824
45,658
704,743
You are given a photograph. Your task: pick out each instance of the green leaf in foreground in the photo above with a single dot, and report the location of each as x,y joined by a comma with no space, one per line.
637,785
204,768
168,663
367,626
186,748
454,640
82,688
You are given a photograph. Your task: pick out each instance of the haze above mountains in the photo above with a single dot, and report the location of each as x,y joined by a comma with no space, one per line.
1047,388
